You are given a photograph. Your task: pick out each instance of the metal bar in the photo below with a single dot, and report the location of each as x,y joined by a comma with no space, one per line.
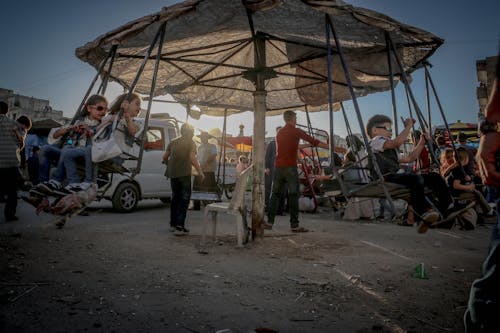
151,94
440,107
395,118
104,83
89,90
358,113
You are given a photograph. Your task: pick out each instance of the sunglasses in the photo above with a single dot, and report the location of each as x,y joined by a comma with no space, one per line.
386,128
99,107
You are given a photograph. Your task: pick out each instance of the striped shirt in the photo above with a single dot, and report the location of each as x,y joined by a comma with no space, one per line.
9,144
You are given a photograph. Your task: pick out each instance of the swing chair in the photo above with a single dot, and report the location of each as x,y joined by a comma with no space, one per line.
377,187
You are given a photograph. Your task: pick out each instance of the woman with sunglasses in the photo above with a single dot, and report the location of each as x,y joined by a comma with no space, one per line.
68,145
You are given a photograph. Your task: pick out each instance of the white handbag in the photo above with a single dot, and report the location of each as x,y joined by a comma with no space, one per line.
104,146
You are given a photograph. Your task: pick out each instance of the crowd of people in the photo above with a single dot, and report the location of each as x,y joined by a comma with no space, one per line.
67,147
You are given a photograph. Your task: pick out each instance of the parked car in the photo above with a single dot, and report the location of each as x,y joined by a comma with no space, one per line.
125,191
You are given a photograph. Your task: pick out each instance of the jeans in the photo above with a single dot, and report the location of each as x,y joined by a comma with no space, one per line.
484,299
48,156
181,194
415,183
286,176
9,179
69,158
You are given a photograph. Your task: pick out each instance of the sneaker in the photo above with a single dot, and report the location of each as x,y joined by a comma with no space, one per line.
73,188
490,213
180,231
49,187
428,219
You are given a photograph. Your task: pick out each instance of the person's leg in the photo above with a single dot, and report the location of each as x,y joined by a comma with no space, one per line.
9,178
481,201
174,204
292,178
440,190
184,201
90,174
69,158
277,187
48,154
414,184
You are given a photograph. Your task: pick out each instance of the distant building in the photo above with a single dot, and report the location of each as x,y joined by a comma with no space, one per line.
485,75
35,108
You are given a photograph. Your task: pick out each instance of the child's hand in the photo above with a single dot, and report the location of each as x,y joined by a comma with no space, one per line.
409,122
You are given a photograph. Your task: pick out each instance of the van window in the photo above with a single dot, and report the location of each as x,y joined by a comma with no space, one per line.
154,139
172,133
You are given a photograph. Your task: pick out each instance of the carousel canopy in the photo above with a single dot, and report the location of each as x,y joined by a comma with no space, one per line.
208,56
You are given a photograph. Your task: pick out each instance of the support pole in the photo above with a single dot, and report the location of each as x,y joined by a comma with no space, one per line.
151,93
418,112
391,81
259,133
89,90
105,80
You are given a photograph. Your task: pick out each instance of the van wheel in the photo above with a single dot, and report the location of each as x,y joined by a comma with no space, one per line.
125,198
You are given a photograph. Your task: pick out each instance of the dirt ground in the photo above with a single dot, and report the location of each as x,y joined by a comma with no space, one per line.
111,272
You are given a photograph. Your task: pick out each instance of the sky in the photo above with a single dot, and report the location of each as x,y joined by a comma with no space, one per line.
39,39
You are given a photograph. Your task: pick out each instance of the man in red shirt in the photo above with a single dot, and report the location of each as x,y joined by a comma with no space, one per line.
287,145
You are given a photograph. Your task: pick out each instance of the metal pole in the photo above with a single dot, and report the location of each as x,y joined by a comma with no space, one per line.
358,114
80,107
395,119
104,83
151,93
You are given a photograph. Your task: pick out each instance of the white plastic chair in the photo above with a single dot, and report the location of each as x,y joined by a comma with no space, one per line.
234,207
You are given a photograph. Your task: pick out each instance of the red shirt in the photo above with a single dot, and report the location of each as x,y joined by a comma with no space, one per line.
287,144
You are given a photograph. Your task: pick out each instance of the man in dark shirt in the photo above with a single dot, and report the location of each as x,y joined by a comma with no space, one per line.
179,157
287,145
269,172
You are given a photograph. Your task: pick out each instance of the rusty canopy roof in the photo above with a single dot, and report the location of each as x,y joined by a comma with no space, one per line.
208,53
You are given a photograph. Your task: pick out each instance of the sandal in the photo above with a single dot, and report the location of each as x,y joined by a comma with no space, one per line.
299,229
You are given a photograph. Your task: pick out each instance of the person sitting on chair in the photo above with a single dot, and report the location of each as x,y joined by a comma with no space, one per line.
75,141
379,129
461,184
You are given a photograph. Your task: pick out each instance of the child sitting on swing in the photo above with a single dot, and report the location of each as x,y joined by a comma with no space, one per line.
386,150
129,128
461,184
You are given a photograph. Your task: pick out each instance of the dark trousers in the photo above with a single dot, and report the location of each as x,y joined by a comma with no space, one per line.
268,185
181,194
286,177
9,179
415,183
34,169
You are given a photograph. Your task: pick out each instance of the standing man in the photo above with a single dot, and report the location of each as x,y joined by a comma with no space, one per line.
9,161
179,157
287,145
207,156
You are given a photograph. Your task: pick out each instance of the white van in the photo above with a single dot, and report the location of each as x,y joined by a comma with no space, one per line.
124,191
